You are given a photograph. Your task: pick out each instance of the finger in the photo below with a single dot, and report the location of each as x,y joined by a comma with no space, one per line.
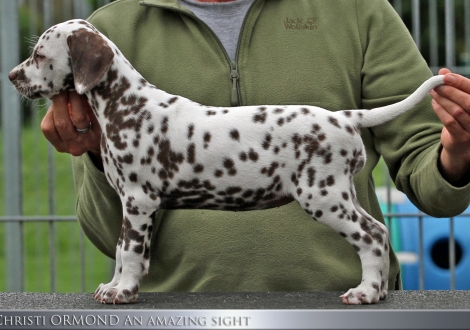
444,71
454,134
456,113
59,101
449,121
50,132
456,102
62,121
455,80
459,99
71,141
52,135
78,111
63,135
456,88
91,116
94,136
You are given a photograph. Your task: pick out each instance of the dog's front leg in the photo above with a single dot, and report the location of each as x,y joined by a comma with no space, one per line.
132,256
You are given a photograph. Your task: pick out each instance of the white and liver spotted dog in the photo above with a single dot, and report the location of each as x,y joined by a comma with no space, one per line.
165,151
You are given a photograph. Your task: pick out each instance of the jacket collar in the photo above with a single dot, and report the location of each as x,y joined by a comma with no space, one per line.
162,3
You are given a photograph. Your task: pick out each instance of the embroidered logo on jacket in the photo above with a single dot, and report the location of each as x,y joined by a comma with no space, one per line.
300,23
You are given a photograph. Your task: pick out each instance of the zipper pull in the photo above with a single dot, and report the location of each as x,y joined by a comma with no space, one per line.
234,75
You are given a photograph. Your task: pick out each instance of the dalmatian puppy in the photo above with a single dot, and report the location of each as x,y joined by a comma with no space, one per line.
165,151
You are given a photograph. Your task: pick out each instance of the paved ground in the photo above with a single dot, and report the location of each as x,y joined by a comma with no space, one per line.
300,300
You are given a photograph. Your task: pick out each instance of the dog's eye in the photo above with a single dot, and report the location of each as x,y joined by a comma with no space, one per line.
40,56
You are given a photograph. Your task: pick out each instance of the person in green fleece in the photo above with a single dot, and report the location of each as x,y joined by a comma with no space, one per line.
343,54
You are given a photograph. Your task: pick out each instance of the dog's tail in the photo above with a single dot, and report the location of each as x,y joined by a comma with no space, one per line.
377,116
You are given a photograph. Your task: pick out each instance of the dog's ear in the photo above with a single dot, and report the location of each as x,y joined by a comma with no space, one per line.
91,58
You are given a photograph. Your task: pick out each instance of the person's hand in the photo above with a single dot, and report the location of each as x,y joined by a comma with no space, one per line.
451,102
69,112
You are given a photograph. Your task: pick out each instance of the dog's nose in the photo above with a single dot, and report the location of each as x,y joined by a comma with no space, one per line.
13,75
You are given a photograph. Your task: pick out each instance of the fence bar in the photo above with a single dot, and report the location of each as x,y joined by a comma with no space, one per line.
47,9
82,260
50,181
416,23
37,218
103,2
433,35
467,31
66,10
421,252
452,254
398,5
450,63
81,9
450,34
11,127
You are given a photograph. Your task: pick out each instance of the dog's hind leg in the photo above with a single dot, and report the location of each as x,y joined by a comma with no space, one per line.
381,228
369,237
372,246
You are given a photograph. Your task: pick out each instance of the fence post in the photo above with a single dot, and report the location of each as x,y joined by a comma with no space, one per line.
450,34
433,34
82,9
416,23
11,128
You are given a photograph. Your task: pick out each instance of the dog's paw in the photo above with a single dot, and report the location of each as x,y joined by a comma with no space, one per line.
101,288
116,294
363,295
383,294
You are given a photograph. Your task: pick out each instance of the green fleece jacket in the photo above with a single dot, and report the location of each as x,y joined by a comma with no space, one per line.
336,54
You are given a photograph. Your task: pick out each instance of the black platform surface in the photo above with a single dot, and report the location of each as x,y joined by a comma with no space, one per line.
276,310
414,300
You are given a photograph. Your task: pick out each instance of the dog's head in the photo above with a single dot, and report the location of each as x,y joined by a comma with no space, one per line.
69,56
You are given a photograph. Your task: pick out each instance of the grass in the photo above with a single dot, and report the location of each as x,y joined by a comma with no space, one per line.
37,260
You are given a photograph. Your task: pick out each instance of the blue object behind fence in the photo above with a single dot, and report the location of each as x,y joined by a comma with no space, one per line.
436,249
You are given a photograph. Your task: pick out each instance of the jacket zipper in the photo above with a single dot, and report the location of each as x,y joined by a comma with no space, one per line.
235,99
234,75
